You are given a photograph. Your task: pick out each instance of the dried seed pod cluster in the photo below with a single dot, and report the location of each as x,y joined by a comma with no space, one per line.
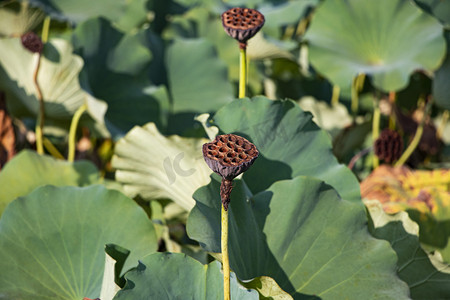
242,23
32,42
229,155
389,146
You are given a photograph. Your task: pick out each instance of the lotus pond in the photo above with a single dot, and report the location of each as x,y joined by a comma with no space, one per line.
325,126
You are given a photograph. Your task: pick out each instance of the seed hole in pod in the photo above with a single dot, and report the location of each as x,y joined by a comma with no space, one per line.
231,154
242,155
223,139
234,10
232,138
220,156
211,147
250,152
247,146
212,153
223,150
234,160
235,24
238,150
240,142
230,145
227,160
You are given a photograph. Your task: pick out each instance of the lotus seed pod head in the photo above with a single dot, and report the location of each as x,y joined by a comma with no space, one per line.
242,23
388,146
32,42
229,155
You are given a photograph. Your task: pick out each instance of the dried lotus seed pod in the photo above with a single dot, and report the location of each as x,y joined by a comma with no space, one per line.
32,42
242,23
229,155
389,146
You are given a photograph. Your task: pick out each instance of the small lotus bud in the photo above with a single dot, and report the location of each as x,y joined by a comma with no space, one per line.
242,23
229,155
32,42
389,146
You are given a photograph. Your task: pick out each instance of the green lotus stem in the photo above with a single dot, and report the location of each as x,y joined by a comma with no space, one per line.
242,70
52,149
335,95
441,127
375,130
39,129
392,97
225,260
415,142
357,86
41,113
73,131
45,29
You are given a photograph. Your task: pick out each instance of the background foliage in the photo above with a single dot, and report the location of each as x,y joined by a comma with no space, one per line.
158,79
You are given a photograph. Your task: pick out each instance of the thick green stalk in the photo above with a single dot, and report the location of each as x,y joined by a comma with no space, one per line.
242,70
375,130
417,136
41,114
225,260
335,95
73,131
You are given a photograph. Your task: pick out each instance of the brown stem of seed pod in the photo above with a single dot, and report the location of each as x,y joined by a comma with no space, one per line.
225,191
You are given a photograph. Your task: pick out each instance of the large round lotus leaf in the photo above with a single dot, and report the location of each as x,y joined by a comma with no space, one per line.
78,11
52,241
116,69
289,143
153,166
177,276
300,233
441,86
57,78
29,170
387,39
425,275
197,77
440,9
17,18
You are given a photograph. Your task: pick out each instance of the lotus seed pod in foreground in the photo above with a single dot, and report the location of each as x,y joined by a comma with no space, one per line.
242,23
229,155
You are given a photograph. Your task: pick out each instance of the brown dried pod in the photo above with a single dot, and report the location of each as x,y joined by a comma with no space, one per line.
389,146
32,42
229,155
242,23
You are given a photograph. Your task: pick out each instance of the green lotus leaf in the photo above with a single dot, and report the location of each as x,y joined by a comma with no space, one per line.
289,143
439,9
278,15
441,88
300,233
29,170
52,241
17,18
267,288
116,71
57,78
82,10
178,276
197,77
153,166
425,275
386,39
